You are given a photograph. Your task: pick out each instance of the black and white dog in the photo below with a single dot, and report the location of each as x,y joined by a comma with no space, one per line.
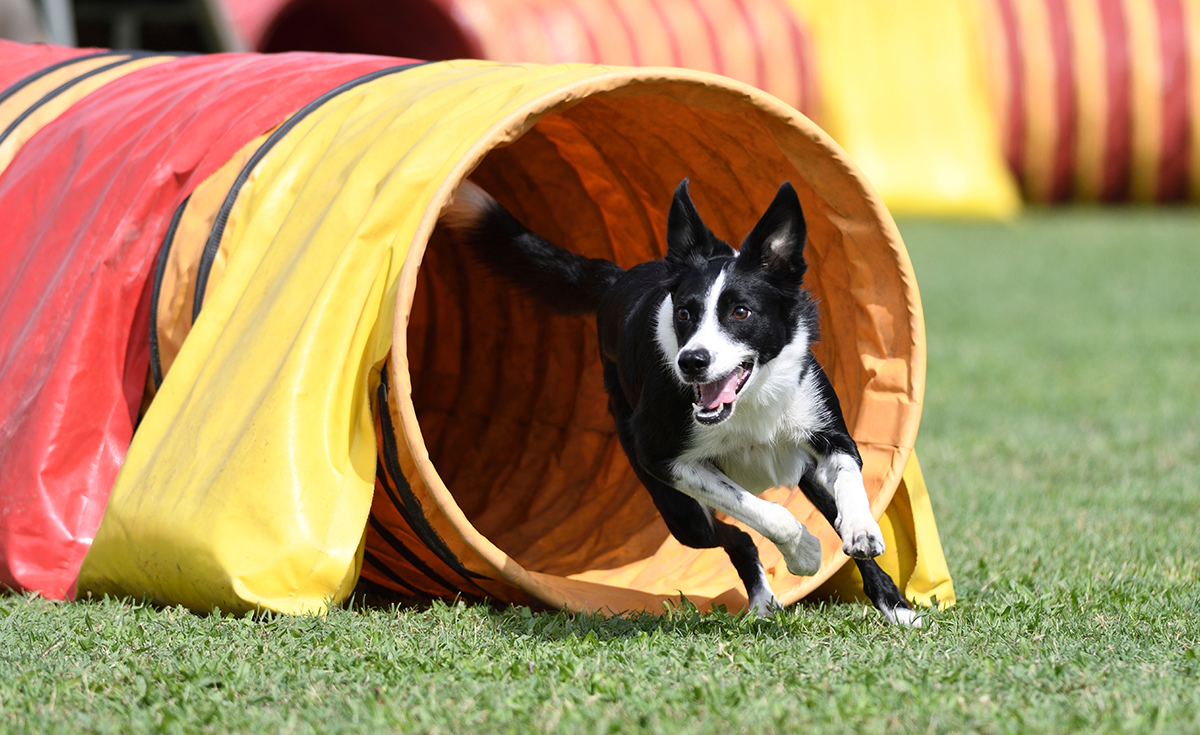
710,379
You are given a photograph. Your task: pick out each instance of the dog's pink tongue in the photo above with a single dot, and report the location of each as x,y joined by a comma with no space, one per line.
713,394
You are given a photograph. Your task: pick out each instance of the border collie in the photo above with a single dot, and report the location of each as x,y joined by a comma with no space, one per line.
710,379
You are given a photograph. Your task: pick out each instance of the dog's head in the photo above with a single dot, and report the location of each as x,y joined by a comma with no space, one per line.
730,314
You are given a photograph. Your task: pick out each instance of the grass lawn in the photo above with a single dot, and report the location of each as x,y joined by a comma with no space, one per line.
1061,444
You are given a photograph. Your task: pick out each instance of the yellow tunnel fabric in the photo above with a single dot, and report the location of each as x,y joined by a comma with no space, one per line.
904,90
173,317
251,479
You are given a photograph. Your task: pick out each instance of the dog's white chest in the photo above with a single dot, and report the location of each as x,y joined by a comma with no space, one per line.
757,467
765,443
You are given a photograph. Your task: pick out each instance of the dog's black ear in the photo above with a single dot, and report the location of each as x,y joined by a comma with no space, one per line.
688,239
777,242
685,229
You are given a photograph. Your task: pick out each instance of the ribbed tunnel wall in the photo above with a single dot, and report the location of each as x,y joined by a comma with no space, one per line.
1097,100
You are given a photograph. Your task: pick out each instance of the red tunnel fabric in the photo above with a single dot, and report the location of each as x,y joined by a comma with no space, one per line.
86,203
764,43
18,60
1097,100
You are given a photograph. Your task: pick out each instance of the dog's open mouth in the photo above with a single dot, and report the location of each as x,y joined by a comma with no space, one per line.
714,401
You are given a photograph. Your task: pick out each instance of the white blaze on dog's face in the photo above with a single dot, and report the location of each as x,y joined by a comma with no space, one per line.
730,314
713,358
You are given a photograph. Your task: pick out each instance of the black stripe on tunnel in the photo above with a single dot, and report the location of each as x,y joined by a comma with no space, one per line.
132,56
369,558
409,507
399,547
160,267
26,81
213,244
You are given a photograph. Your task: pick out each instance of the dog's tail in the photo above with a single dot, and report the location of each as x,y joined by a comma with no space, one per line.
564,281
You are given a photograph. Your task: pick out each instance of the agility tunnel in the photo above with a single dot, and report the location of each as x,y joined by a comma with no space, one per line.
760,42
901,87
245,264
96,150
1097,100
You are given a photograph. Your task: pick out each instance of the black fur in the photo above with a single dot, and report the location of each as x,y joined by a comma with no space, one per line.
570,283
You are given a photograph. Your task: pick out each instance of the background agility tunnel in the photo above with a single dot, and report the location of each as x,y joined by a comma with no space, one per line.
338,391
1097,100
761,42
901,87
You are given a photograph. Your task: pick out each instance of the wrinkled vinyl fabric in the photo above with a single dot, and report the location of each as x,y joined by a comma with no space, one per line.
103,151
40,98
1097,101
22,61
760,42
339,390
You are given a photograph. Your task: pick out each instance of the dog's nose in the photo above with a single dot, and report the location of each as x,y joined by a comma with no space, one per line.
693,363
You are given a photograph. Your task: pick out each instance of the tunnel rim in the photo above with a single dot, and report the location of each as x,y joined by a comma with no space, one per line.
509,128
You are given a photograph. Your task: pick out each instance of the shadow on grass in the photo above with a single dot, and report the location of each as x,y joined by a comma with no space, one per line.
683,619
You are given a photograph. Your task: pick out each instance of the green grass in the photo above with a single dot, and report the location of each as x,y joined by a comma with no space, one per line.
1061,444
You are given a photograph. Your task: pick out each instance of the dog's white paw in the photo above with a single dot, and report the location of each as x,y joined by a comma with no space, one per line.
765,604
905,618
862,540
802,554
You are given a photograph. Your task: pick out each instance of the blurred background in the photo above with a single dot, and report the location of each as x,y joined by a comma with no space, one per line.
960,108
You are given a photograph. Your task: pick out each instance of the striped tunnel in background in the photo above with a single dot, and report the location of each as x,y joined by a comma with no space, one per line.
760,42
1097,100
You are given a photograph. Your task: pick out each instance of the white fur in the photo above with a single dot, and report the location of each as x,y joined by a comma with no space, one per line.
775,381
764,444
780,244
469,203
727,354
841,476
905,618
765,602
801,550
664,332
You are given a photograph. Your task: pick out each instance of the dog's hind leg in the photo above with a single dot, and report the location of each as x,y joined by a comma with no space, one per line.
744,555
882,591
877,585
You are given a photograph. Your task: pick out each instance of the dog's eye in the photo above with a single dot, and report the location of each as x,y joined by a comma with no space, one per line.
741,313
683,315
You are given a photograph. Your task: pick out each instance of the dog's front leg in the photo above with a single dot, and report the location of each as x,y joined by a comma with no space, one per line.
841,476
705,483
